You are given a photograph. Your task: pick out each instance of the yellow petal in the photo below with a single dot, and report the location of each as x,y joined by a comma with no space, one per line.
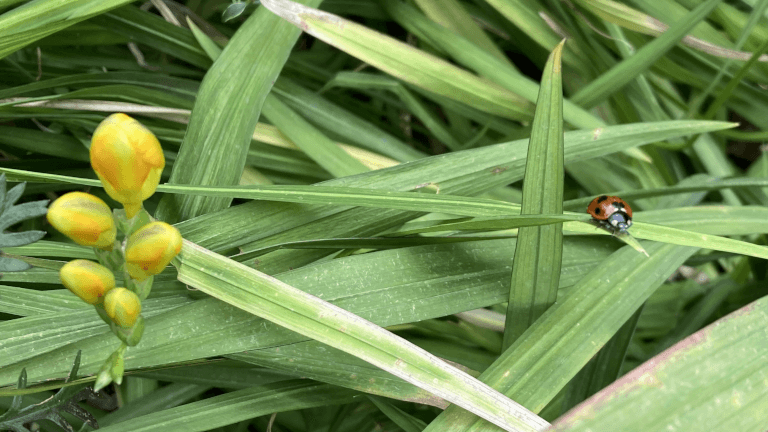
88,280
84,218
127,158
123,306
150,249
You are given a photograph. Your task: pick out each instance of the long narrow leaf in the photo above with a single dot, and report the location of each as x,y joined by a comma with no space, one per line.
545,358
226,112
403,61
628,69
296,310
685,386
536,267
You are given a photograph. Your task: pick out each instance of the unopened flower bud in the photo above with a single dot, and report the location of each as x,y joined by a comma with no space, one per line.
128,159
150,249
84,218
88,280
123,306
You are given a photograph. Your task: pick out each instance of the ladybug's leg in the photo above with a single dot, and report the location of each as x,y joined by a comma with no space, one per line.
597,223
604,224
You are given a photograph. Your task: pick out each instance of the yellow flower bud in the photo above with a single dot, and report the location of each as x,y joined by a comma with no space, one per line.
123,306
150,249
87,280
128,159
84,218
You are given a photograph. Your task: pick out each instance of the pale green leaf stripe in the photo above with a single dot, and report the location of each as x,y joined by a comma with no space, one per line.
539,252
310,140
357,243
403,61
19,341
218,411
24,302
317,361
206,43
553,350
676,236
296,310
624,72
691,386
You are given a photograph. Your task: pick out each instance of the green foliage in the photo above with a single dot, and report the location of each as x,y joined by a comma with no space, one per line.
11,214
375,196
17,419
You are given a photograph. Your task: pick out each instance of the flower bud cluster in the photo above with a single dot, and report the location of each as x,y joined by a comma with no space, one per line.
128,160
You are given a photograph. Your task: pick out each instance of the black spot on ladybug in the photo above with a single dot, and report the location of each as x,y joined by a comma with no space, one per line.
618,205
602,198
598,211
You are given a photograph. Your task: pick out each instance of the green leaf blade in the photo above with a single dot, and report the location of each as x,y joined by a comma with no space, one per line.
226,112
686,385
536,267
620,75
552,351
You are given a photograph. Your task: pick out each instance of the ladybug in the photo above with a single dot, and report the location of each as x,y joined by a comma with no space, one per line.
611,213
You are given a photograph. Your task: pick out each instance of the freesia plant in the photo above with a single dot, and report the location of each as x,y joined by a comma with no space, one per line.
130,247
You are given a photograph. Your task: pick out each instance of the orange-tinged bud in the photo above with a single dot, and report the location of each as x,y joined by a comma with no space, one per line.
128,159
150,249
88,280
123,306
84,218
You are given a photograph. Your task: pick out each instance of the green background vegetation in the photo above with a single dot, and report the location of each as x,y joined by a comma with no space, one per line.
374,194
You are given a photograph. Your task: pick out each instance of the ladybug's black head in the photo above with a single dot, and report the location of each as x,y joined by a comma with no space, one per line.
620,222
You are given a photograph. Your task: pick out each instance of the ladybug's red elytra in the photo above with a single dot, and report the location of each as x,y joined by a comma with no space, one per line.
612,213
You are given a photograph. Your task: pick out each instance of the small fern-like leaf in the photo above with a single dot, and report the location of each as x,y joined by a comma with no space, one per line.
17,419
11,214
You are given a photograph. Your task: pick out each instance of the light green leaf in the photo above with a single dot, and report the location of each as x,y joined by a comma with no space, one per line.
685,386
403,61
226,112
550,353
310,140
37,19
218,411
536,267
623,73
298,311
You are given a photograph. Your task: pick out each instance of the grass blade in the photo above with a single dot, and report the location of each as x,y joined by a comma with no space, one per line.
403,61
536,268
685,385
229,408
545,358
626,71
35,20
226,112
298,311
311,141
